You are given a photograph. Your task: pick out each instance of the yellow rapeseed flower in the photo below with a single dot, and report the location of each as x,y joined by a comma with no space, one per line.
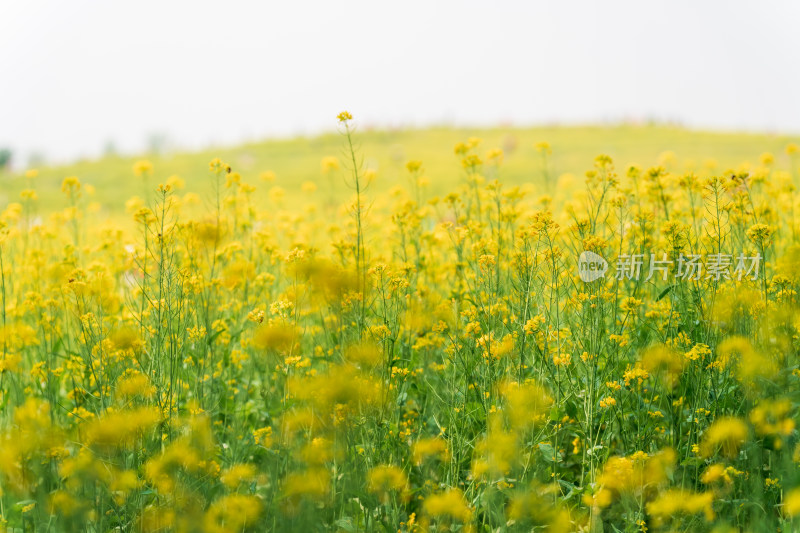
449,504
726,434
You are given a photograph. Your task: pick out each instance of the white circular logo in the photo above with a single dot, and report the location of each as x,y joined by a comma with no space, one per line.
591,267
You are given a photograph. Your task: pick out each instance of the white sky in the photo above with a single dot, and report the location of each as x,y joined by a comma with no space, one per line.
75,75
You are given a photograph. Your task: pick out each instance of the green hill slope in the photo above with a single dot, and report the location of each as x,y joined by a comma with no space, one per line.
294,162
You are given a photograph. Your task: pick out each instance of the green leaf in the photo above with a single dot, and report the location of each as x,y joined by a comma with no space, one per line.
549,453
665,292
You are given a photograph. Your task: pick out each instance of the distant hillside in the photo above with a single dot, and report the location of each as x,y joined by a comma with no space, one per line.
293,162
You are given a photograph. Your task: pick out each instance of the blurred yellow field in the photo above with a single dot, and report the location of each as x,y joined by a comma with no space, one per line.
555,329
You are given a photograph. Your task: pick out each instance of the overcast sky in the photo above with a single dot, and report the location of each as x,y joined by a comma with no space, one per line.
76,75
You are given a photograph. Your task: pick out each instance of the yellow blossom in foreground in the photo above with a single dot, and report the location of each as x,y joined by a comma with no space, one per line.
631,476
385,479
122,428
434,447
791,503
313,484
526,403
449,505
232,513
275,337
726,435
238,474
678,501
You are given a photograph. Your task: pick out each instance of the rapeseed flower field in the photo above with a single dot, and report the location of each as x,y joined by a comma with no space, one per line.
493,346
